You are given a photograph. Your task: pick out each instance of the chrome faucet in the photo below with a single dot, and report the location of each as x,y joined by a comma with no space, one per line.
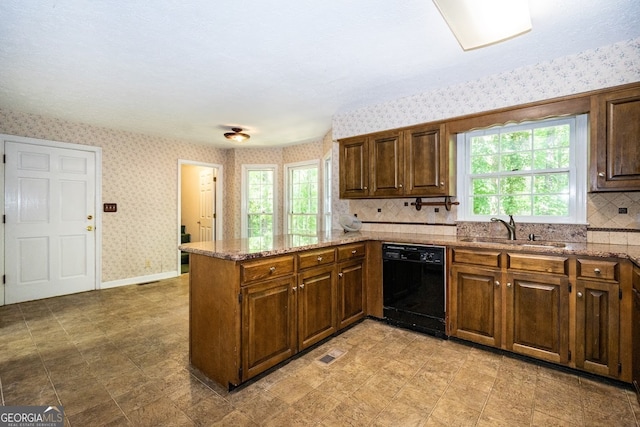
511,226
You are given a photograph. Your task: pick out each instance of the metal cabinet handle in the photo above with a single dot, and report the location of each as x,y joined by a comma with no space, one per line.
272,269
579,294
601,174
354,251
339,274
497,283
399,185
294,288
441,183
319,258
365,188
596,270
508,284
302,286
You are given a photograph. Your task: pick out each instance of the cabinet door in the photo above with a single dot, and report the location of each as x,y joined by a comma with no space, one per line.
316,305
354,168
387,164
351,296
615,157
597,327
268,325
538,316
426,159
475,304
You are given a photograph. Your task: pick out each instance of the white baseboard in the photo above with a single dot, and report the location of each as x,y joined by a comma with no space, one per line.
139,279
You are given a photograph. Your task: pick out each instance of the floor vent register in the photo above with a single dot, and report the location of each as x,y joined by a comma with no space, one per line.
331,356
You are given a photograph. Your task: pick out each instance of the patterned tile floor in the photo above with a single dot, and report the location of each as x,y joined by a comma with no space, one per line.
120,357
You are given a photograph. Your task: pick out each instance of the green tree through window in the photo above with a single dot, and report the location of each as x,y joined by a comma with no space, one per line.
523,170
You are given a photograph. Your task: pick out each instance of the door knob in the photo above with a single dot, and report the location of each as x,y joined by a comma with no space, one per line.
301,286
497,283
508,284
601,174
89,228
579,294
319,258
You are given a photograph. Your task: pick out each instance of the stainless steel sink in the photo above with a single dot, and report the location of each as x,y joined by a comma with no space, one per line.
525,243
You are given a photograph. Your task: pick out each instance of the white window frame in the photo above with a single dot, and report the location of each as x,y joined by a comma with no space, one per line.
578,148
287,170
244,224
326,190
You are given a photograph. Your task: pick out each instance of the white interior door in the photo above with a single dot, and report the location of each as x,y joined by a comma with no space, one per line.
207,205
50,240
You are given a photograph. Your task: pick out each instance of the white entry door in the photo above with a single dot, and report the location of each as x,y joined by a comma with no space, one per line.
207,198
50,243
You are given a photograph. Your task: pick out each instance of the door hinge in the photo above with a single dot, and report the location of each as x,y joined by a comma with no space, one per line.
4,279
4,219
570,288
240,297
569,354
619,368
214,216
619,294
4,158
240,373
215,179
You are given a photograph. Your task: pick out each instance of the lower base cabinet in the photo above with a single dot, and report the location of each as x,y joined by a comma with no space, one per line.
248,316
268,325
538,316
351,294
475,307
567,310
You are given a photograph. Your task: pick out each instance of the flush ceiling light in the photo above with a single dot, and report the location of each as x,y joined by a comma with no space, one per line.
237,135
477,23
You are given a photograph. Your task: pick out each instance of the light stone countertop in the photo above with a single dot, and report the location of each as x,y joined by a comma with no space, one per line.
257,247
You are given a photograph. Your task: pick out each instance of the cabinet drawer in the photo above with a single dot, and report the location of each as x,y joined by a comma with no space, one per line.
598,269
356,250
315,258
470,256
540,263
266,268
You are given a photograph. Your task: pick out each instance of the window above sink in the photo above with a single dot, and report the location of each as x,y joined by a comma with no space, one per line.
534,170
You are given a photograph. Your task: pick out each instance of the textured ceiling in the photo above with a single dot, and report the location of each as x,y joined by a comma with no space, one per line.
279,69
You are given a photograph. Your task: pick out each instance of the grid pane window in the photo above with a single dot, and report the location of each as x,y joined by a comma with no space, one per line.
303,200
260,201
523,170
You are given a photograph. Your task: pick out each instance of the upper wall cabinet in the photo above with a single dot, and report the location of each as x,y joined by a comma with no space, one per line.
615,144
414,162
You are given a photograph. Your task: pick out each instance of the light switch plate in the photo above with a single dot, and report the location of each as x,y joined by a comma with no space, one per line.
110,207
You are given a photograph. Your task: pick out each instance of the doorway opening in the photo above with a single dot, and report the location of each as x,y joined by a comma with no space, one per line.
199,205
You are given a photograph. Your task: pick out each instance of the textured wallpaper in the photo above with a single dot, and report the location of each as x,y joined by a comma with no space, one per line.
594,69
139,173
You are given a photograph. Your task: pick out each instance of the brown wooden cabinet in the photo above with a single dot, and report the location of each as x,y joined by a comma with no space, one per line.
248,316
615,143
598,316
268,325
351,284
569,310
635,376
538,316
475,306
537,306
354,168
412,162
475,296
316,300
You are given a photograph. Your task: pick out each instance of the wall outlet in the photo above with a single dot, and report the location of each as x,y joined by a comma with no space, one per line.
622,210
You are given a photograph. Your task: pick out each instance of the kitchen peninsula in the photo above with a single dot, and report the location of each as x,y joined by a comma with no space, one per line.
254,303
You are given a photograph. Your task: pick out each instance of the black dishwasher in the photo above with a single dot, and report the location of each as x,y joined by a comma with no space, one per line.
413,287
